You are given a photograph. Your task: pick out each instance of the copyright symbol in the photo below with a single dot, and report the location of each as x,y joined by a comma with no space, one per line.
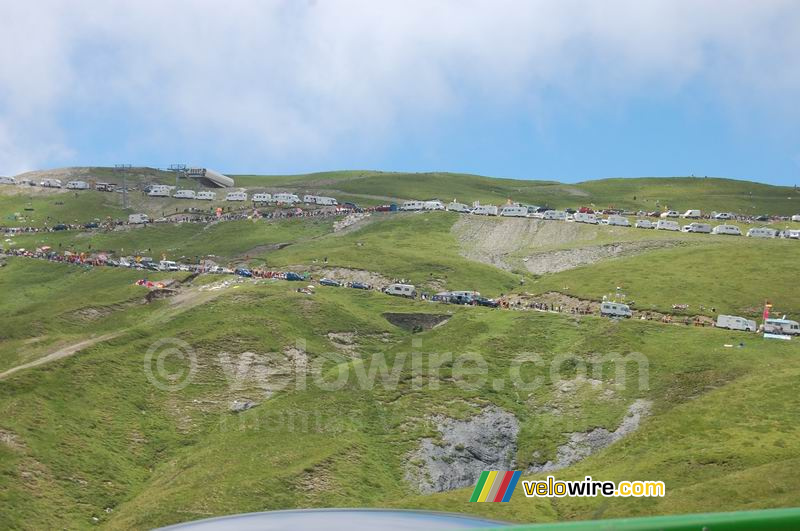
156,358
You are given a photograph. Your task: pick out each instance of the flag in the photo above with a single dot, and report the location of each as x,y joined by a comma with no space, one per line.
495,486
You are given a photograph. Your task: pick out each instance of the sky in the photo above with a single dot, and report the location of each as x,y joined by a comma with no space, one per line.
563,90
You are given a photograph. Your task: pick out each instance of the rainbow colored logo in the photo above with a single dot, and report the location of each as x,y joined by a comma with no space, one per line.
494,486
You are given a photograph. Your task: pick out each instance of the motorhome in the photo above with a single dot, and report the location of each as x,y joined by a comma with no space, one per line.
401,290
309,199
185,194
8,180
693,214
434,204
77,185
761,232
159,190
326,201
558,215
262,198
664,224
732,322
458,207
206,195
585,217
796,217
723,215
669,214
781,326
285,198
644,224
50,183
167,265
238,195
138,218
412,205
620,221
703,228
792,234
731,230
514,211
615,309
105,187
485,210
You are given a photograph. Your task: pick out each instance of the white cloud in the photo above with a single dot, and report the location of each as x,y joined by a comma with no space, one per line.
272,80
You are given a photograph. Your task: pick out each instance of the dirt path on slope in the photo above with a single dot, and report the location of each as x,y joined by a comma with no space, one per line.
61,353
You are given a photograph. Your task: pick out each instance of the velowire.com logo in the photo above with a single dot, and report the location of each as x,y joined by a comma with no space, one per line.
495,486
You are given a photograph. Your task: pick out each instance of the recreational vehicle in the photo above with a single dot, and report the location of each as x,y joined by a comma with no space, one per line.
732,322
185,194
485,210
8,180
514,211
558,215
286,198
50,183
433,205
644,224
615,309
781,326
669,214
693,214
731,230
664,224
159,190
262,198
585,217
792,234
206,195
309,199
796,217
458,207
412,205
400,290
138,218
238,195
761,232
620,221
77,185
703,228
105,187
326,201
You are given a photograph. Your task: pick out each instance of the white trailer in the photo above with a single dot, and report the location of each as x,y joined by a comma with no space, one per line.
731,230
458,207
77,185
644,224
585,217
206,195
514,211
8,180
703,228
781,326
138,218
238,195
401,290
185,194
664,224
50,183
159,190
692,214
619,221
761,232
558,215
732,322
326,201
434,204
262,198
615,309
485,210
412,205
285,197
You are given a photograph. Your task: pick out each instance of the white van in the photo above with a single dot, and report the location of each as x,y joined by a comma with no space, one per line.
514,211
485,210
284,197
702,228
138,218
761,232
692,214
412,205
167,265
236,196
582,217
732,322
731,230
781,326
558,215
401,290
50,183
458,207
77,185
669,214
159,190
664,224
206,195
330,201
8,180
619,221
185,194
433,205
615,309
645,224
263,198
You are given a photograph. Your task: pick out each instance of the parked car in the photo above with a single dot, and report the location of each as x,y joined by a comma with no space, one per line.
293,276
243,272
483,301
359,285
330,282
91,225
60,226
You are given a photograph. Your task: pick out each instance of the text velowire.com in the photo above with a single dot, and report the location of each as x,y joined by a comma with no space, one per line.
552,488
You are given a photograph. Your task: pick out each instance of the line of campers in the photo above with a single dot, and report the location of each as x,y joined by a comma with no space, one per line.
162,190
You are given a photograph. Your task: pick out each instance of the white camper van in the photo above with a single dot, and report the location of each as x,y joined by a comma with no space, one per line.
206,195
50,183
582,217
761,232
619,221
262,198
558,215
167,265
615,309
645,224
434,204
796,217
412,205
284,197
732,322
702,228
238,195
8,180
401,290
327,201
692,214
731,230
485,210
458,207
138,218
77,185
514,211
159,190
185,194
782,326
664,224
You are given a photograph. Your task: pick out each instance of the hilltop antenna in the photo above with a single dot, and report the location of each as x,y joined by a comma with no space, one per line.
123,168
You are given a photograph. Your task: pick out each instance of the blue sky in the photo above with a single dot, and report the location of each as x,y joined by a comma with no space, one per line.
569,90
